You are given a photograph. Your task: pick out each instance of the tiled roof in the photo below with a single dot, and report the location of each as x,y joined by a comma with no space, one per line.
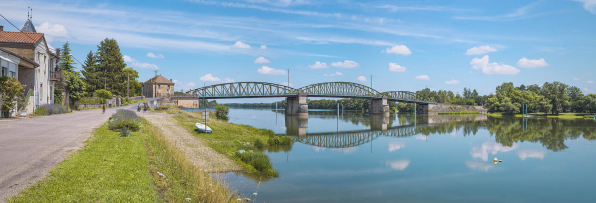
19,56
28,26
159,79
20,37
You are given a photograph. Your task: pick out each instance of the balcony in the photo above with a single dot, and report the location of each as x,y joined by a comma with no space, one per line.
55,74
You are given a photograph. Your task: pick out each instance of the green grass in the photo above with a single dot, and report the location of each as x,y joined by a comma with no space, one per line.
109,168
228,138
561,115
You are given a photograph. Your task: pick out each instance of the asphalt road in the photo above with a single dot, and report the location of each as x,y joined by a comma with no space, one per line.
30,147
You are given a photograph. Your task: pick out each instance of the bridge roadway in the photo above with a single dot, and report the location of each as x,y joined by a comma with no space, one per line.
296,98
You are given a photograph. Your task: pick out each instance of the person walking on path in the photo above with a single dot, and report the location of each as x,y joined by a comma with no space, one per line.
103,109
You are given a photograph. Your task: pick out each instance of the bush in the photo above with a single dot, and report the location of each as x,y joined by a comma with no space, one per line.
125,119
259,144
104,94
280,141
221,112
259,161
49,109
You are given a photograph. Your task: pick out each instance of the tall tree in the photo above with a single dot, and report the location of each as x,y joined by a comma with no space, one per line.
73,82
110,65
557,93
66,61
91,76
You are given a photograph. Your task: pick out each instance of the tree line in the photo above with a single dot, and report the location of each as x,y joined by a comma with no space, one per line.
104,69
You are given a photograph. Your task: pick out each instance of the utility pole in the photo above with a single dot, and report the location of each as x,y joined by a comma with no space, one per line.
127,85
288,77
371,81
104,84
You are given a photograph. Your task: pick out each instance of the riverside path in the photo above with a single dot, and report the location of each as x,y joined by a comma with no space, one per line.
30,147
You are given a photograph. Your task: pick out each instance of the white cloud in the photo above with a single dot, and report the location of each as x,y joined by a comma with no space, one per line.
589,5
343,40
531,63
318,65
362,78
334,74
286,84
183,86
128,59
480,50
537,154
493,148
422,77
347,150
262,60
270,71
576,79
587,90
493,68
240,45
152,55
479,166
51,31
399,165
209,78
345,64
393,67
398,49
137,64
421,137
263,47
589,81
228,80
396,146
452,82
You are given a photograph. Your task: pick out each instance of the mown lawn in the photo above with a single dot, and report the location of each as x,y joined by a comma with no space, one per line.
109,168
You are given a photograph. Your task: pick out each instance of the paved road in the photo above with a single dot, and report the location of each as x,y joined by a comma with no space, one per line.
29,147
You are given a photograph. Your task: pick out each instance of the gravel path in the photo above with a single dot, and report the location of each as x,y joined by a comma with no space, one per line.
192,147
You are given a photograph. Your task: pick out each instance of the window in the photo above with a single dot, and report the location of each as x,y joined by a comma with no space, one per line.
4,71
158,86
13,74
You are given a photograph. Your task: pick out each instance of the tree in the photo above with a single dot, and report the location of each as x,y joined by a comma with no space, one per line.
557,93
66,61
136,87
75,86
10,91
221,112
576,99
103,94
91,75
110,65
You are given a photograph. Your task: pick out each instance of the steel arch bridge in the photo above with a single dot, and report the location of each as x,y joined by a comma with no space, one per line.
327,89
354,138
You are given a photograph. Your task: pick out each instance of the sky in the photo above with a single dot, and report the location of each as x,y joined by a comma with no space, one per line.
403,45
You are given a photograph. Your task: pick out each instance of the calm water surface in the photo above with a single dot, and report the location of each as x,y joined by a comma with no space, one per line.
406,158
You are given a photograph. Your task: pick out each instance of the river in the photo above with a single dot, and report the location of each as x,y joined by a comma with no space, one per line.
355,157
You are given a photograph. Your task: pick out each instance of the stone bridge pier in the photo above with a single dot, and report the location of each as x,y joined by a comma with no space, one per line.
296,125
379,122
379,106
297,105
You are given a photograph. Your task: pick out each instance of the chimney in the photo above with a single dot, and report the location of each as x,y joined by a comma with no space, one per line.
1,28
170,80
58,53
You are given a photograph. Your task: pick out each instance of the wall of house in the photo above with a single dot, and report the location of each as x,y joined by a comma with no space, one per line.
10,67
43,86
154,90
24,50
148,90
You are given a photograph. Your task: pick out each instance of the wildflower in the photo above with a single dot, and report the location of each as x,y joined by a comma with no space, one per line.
254,194
187,199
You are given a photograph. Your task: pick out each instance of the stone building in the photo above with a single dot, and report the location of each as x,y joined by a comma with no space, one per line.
43,73
158,86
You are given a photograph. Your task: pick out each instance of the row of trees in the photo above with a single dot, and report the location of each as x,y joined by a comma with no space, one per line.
102,69
348,104
555,98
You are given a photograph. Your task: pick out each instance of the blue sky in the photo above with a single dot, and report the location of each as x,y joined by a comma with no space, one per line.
405,45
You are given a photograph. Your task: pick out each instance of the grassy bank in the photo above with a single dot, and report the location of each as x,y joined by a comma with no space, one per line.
228,139
561,115
113,168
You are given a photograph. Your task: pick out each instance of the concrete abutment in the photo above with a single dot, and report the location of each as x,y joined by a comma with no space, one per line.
297,105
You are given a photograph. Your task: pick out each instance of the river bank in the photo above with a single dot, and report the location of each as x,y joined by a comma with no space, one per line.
542,115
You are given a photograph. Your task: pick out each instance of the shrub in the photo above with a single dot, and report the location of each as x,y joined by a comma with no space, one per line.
259,161
221,112
125,119
280,141
104,94
259,144
49,109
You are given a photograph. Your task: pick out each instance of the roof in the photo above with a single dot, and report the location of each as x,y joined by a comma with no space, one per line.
20,37
19,56
159,79
28,27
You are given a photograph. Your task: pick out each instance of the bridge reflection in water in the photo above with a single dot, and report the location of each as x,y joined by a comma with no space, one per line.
380,126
